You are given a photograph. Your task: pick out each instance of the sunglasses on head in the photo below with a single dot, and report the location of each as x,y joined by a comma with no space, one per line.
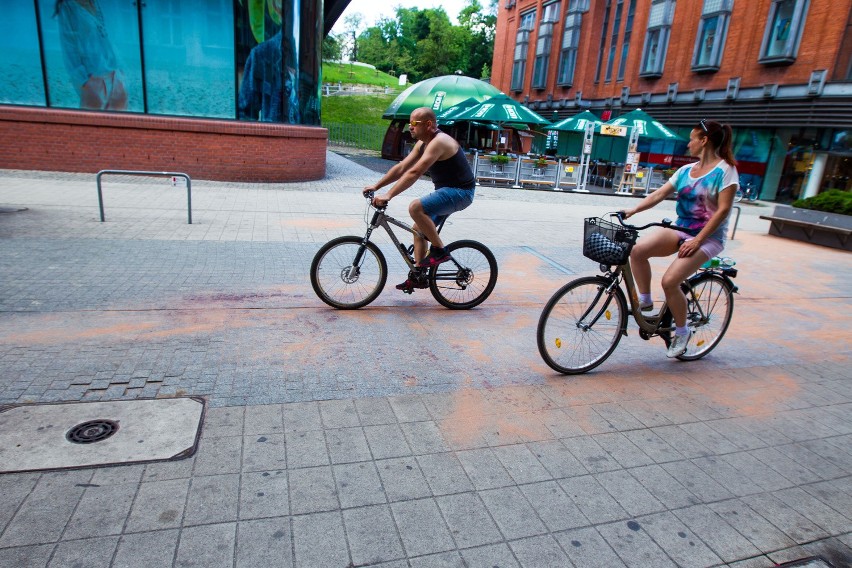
703,124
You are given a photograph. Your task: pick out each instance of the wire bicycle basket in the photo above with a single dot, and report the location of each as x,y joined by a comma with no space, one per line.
607,243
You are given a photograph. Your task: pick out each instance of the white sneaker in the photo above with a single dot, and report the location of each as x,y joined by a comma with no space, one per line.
649,307
678,345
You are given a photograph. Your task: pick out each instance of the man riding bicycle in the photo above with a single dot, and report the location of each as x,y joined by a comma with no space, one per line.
442,157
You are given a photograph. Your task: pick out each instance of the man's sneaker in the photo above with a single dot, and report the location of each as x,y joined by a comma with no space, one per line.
678,345
411,284
434,258
647,307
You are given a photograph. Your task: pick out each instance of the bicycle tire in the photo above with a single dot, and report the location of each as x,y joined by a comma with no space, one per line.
468,281
339,288
563,344
710,320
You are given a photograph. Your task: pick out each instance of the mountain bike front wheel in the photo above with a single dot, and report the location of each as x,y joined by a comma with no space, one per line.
581,325
347,274
466,280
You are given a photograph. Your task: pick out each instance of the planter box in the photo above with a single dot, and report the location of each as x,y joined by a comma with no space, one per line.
818,227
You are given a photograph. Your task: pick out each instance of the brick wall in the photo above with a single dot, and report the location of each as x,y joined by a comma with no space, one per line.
823,38
75,141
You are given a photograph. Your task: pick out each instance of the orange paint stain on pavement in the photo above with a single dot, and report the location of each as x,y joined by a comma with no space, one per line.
69,332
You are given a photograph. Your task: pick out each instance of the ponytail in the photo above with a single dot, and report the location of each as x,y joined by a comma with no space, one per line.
721,136
725,150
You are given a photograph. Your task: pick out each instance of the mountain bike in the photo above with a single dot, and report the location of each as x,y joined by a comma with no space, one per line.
583,322
350,272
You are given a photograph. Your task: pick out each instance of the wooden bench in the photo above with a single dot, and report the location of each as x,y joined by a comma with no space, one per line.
538,182
817,233
495,180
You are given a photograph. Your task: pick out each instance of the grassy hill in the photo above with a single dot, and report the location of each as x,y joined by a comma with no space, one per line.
356,109
356,120
347,73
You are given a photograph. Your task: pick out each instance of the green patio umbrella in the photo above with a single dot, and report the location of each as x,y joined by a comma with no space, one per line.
447,117
649,128
439,94
576,123
502,111
571,131
614,148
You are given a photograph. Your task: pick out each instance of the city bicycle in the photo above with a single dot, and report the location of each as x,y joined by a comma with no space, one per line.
748,192
350,272
583,322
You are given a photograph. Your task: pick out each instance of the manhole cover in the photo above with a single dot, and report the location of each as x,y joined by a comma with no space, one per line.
92,431
39,437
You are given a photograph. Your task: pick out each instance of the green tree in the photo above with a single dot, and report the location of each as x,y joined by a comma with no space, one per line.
481,25
332,49
424,43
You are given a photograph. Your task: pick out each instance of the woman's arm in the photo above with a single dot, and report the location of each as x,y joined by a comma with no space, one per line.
651,199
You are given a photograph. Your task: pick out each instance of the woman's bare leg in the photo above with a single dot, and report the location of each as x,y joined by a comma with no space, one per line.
679,270
659,243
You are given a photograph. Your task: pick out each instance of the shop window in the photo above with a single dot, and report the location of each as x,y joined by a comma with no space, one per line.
783,31
712,32
91,55
189,64
625,45
20,61
544,43
657,38
522,42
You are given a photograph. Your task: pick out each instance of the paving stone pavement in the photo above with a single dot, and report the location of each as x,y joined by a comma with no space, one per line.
404,434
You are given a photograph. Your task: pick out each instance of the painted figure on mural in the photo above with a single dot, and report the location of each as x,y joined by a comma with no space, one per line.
89,56
269,88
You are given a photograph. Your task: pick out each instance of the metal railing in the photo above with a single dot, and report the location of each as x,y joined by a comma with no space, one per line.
367,136
145,173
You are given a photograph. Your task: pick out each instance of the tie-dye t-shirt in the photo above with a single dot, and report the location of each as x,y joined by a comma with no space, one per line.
698,198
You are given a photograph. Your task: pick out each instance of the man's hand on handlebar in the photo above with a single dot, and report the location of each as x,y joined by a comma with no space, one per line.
377,200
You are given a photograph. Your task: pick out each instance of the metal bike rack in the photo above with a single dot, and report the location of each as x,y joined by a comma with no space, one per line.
144,173
736,221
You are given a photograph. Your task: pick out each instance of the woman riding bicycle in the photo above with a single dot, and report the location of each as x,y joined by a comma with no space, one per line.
705,192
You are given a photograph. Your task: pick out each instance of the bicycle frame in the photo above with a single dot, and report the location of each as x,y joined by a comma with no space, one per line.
383,220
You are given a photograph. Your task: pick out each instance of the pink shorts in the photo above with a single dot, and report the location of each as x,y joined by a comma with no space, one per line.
711,247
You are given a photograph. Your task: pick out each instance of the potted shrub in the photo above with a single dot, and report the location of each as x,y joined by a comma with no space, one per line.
540,166
498,161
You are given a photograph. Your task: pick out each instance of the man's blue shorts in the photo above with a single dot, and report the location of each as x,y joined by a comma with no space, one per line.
441,202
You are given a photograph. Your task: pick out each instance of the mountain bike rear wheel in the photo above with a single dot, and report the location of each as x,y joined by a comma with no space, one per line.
346,274
466,280
581,325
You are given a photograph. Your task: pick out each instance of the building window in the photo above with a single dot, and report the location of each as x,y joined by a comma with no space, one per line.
602,50
522,42
657,38
712,32
625,45
570,41
783,31
543,44
616,23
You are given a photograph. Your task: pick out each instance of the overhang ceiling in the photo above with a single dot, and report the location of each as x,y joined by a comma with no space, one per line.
333,10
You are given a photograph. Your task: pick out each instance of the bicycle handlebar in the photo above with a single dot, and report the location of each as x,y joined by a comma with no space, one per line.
666,224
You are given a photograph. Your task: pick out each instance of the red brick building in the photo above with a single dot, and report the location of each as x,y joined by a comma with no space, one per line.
779,71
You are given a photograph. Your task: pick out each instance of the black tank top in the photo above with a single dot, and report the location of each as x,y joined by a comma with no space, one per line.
453,172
